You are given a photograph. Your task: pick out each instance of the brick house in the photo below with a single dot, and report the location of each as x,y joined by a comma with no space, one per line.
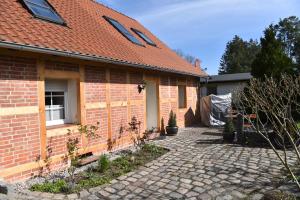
66,62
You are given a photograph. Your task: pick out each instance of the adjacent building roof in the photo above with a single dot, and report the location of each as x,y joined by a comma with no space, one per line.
86,35
227,78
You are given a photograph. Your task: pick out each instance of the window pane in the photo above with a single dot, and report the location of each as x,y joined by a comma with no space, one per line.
58,101
144,37
48,115
211,90
39,2
48,101
58,114
182,96
58,93
123,30
46,13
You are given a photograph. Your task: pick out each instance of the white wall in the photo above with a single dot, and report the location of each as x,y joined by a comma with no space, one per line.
225,88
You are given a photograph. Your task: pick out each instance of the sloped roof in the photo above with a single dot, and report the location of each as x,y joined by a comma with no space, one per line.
86,34
227,78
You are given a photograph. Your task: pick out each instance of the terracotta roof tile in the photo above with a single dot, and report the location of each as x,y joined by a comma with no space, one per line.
87,33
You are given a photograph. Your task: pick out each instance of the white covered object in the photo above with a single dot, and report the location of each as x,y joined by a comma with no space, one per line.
214,109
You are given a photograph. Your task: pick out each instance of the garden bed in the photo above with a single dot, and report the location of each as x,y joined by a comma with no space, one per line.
103,172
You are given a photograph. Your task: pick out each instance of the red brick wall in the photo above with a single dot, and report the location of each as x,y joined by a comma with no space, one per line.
19,134
95,92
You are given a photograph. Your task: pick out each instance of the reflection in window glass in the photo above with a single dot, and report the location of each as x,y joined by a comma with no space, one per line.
42,9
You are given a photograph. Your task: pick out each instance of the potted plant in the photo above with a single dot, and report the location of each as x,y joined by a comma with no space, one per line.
228,133
172,127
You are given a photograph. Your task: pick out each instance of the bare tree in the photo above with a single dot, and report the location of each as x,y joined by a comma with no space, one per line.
275,103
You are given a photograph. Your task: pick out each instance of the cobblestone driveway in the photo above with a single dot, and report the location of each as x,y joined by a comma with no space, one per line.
198,166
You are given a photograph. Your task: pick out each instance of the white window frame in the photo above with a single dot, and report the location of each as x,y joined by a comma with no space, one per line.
60,121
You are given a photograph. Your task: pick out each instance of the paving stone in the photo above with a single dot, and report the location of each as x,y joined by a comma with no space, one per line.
176,195
225,197
257,196
84,194
110,190
93,197
72,196
171,187
193,169
59,196
238,194
204,197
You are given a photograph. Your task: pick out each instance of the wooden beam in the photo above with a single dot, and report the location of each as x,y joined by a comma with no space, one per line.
107,75
24,110
158,101
81,101
97,105
41,99
58,74
128,97
118,103
61,131
145,104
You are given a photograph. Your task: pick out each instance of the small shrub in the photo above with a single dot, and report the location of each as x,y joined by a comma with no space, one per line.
103,163
152,149
93,182
172,119
123,164
229,127
52,187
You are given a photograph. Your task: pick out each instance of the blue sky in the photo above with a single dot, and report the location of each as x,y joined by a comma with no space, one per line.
203,27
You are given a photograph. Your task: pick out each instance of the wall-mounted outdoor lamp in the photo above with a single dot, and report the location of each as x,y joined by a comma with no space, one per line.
141,86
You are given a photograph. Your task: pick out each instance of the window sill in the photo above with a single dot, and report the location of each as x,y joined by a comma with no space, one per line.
60,130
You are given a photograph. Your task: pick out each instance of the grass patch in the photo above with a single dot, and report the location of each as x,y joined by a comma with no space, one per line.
298,124
59,186
105,171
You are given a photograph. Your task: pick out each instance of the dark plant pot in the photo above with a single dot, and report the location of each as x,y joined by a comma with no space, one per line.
228,137
172,130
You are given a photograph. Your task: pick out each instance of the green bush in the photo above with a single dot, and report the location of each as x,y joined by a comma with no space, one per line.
105,171
52,187
229,127
93,182
103,163
172,119
152,149
123,164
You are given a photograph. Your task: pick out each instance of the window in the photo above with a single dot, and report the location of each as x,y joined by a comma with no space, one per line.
43,10
182,96
123,30
144,37
60,102
55,107
211,90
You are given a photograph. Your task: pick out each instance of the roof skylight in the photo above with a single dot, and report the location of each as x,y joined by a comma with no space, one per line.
123,30
43,10
143,36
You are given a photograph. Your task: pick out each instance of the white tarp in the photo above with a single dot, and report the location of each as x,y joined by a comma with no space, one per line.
220,106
